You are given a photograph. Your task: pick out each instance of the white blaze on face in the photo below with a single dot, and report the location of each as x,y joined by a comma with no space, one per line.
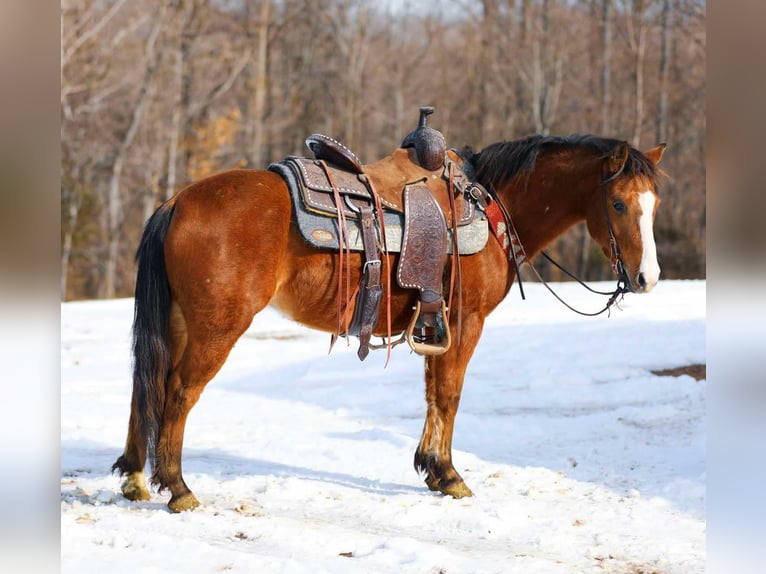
649,266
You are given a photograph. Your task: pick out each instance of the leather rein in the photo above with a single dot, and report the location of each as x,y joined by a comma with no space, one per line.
616,256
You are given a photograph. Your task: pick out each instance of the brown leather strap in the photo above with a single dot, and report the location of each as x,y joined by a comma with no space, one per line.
343,325
368,297
381,221
368,293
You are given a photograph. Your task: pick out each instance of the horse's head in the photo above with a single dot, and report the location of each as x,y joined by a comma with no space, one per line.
621,214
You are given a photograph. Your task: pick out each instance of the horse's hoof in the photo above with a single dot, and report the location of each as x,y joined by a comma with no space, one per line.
457,489
134,487
183,503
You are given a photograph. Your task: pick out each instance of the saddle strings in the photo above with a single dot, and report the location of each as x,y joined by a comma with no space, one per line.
343,312
345,250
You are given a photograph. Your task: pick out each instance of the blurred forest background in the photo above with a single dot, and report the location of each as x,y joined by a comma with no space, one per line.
155,95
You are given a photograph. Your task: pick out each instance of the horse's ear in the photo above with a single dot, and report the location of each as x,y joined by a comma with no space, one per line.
655,154
616,160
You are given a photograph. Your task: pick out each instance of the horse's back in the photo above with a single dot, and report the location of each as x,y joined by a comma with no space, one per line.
234,197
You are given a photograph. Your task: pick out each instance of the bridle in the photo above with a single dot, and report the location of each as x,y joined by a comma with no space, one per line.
616,257
623,281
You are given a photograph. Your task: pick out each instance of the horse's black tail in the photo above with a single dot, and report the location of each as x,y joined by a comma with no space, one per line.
151,317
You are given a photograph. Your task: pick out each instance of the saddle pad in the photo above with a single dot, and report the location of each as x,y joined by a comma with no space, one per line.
322,230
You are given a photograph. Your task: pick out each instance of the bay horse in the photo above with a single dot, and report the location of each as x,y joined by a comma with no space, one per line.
224,248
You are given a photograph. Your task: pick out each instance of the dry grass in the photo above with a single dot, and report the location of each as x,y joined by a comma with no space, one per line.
699,372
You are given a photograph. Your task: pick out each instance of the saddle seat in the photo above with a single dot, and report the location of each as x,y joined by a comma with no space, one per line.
389,176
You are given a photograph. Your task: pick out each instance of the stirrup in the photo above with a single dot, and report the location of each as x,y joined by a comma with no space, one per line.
426,339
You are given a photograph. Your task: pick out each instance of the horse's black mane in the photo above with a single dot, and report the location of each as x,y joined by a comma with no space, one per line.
502,161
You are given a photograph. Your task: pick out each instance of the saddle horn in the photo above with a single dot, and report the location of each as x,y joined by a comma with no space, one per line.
430,145
425,111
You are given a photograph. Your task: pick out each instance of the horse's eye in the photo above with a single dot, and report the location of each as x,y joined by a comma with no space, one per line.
619,206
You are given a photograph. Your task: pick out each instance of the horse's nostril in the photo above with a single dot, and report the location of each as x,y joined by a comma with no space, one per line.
641,281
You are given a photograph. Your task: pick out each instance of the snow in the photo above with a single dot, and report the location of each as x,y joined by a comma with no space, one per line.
580,459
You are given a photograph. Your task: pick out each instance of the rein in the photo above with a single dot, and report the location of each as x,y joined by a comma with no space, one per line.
616,257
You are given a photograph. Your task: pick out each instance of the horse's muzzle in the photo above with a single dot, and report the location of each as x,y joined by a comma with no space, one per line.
643,283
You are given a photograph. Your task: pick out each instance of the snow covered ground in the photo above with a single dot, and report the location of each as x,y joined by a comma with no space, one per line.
581,460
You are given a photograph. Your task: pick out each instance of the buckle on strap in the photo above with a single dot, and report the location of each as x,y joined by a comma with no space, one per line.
370,262
480,195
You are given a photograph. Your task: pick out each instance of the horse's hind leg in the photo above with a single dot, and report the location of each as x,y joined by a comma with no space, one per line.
133,460
204,353
444,384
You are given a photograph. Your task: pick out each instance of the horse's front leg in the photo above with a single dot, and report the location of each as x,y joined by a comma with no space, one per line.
444,383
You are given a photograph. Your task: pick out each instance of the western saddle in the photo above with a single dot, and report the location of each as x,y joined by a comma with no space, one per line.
423,185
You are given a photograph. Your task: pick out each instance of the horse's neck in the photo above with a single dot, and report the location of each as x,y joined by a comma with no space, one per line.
545,207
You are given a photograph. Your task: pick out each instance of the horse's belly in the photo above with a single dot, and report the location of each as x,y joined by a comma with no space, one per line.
309,295
310,305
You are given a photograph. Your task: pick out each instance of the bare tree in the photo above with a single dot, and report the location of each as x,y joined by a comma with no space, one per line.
636,34
74,38
114,199
71,201
606,68
242,82
350,25
255,126
191,15
546,75
662,104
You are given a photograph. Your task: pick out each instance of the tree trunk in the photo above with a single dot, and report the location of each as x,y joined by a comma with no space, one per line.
639,49
256,156
662,104
190,26
485,65
606,46
175,131
547,75
519,83
356,63
114,199
66,244
75,43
